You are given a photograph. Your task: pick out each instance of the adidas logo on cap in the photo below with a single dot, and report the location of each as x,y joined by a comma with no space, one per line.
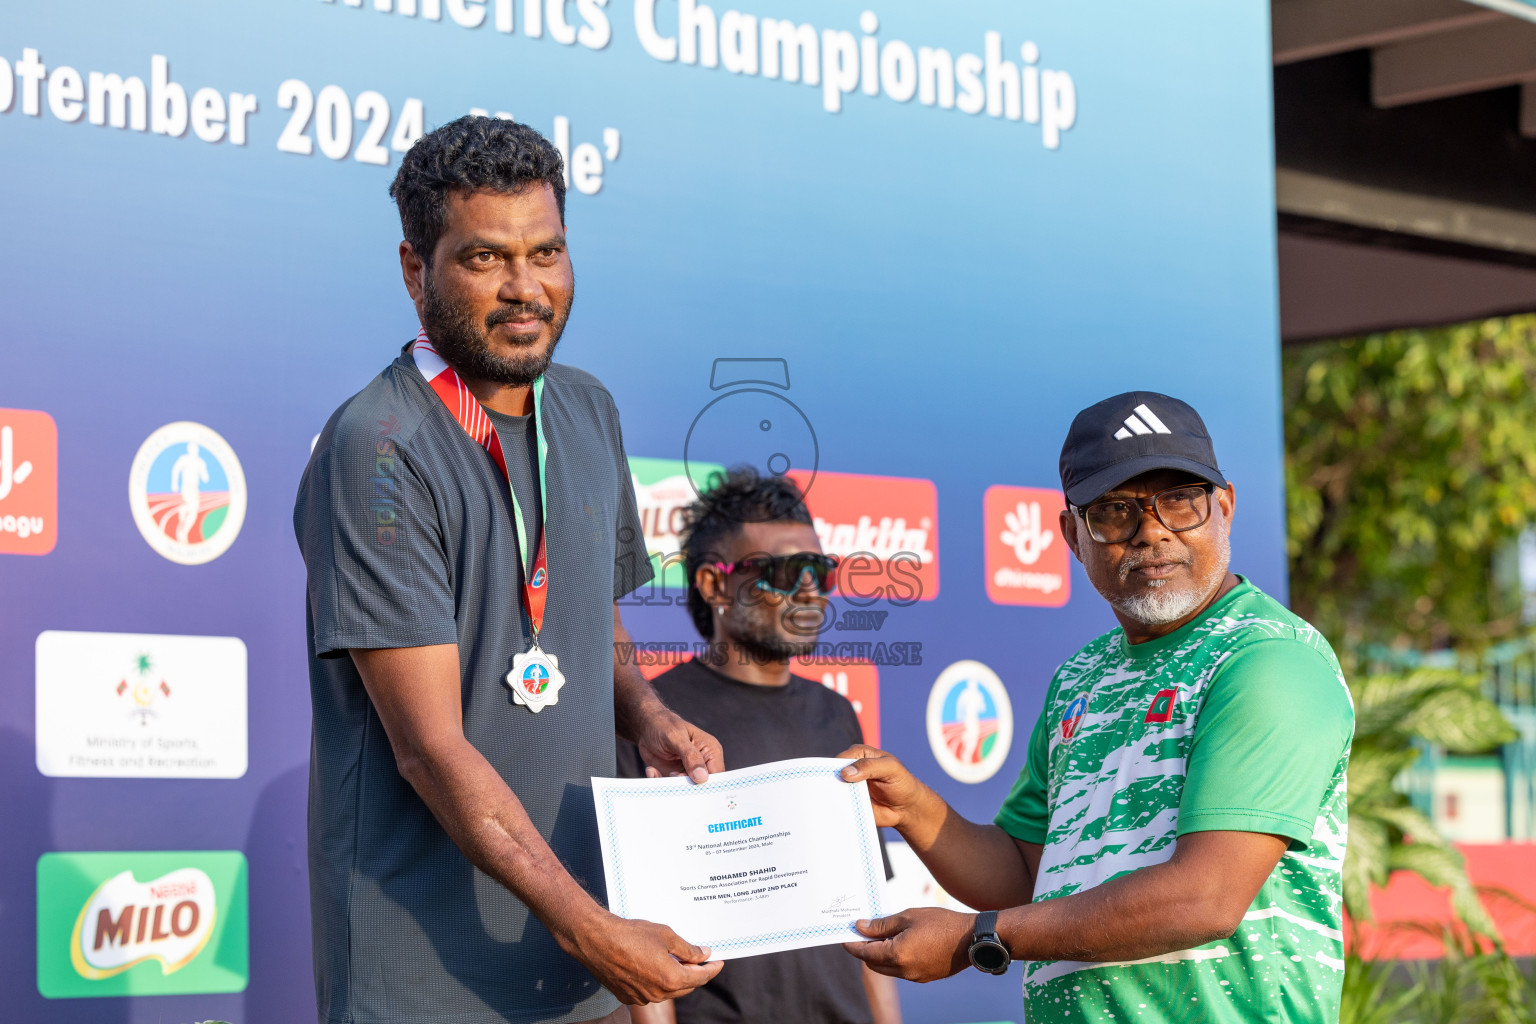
1095,456
1141,421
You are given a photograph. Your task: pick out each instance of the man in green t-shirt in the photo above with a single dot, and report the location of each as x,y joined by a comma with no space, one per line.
1172,848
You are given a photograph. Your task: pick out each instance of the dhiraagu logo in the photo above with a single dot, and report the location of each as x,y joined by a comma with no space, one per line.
135,924
663,493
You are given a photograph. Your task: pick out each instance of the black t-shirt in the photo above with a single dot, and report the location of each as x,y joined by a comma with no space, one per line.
755,725
406,528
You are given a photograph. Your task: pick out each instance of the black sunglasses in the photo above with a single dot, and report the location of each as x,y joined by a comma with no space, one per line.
785,574
1179,509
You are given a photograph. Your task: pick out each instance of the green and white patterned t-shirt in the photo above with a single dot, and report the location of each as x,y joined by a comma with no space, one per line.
1237,721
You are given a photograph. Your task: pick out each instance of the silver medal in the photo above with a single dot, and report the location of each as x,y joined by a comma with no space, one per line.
535,679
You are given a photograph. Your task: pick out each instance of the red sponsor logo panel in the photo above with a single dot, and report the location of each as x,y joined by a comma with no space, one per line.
1027,560
859,681
654,663
29,482
884,528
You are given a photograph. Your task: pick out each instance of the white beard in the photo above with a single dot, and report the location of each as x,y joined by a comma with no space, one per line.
1158,606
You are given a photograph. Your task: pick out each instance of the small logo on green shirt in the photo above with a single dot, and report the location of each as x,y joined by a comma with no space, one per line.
1073,717
1161,709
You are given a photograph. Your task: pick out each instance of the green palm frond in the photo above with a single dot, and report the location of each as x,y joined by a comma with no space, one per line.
1460,719
1367,997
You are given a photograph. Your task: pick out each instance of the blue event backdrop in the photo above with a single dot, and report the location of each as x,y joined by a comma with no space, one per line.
947,290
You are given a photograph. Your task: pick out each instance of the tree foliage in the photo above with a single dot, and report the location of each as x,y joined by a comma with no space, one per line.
1386,833
1411,460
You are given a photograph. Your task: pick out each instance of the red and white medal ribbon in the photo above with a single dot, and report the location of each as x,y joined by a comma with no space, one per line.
535,678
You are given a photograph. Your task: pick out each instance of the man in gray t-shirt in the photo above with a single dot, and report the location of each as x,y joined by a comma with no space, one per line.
467,519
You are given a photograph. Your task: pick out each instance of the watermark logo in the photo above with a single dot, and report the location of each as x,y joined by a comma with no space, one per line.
1027,561
752,423
885,531
115,924
187,492
140,705
29,482
970,721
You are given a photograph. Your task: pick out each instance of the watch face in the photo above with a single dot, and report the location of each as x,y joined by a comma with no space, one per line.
990,957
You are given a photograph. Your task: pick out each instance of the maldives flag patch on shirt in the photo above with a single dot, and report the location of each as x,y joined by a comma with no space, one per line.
1162,706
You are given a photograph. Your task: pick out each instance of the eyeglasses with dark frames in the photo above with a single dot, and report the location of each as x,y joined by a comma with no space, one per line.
1179,509
785,574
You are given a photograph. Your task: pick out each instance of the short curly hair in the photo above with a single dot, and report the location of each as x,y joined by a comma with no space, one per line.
729,501
467,155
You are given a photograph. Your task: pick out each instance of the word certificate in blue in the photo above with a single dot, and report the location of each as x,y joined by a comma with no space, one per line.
755,860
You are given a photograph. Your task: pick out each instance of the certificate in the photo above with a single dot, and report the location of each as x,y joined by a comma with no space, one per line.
756,860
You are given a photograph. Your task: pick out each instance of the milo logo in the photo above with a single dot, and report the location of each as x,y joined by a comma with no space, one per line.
116,924
126,922
663,492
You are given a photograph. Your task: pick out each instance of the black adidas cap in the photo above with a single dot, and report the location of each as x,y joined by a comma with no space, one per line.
1131,434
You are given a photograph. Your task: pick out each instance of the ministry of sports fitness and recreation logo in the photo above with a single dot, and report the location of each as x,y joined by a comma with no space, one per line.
970,721
113,924
1028,563
187,492
140,705
139,688
29,482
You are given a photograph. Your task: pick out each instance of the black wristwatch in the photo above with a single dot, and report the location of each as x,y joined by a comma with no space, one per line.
987,951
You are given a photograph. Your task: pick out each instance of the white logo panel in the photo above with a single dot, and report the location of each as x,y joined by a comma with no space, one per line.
970,721
187,493
141,705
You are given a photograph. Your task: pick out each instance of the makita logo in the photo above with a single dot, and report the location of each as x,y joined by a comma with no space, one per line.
884,528
1141,421
882,539
126,922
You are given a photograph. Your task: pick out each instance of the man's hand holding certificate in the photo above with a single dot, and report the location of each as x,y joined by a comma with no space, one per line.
756,860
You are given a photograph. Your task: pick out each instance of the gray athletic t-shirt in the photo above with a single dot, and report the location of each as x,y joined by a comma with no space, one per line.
406,529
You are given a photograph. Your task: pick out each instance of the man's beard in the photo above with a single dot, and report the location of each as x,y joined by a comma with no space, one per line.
1158,605
465,344
754,628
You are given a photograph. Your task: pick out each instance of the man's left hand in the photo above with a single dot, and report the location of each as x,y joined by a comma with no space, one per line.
670,746
923,944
